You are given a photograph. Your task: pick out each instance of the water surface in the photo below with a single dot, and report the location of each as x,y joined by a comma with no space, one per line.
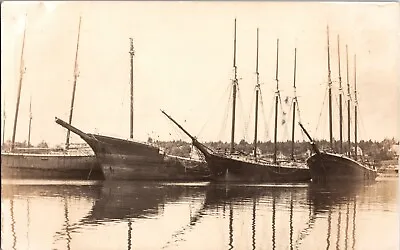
159,215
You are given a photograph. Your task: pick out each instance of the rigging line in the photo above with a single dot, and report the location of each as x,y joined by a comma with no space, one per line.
291,109
271,110
247,122
361,120
178,132
322,108
227,89
263,115
241,112
299,117
284,116
298,110
226,112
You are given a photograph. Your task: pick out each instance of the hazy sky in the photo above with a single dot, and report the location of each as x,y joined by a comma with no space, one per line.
183,64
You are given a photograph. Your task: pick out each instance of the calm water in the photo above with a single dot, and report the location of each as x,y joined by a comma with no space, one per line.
145,215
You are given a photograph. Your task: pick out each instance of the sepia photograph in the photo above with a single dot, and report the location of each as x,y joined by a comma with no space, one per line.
200,125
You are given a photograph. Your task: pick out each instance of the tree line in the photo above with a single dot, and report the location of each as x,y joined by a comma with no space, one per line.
371,150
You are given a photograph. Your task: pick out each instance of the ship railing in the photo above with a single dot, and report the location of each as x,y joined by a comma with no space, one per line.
184,158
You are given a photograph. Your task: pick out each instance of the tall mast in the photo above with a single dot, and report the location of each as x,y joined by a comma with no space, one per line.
76,75
330,93
276,100
4,120
30,122
235,83
131,53
355,107
340,102
348,103
257,90
22,71
294,102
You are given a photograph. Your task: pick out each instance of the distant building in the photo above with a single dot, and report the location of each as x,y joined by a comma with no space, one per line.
359,150
395,149
258,152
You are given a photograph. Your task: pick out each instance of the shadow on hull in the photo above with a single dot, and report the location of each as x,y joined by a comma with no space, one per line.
130,160
327,167
50,166
227,169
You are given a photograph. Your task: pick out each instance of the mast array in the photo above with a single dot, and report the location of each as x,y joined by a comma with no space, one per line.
76,75
235,84
276,100
22,72
4,120
340,102
348,104
294,103
330,92
30,122
355,107
257,90
131,53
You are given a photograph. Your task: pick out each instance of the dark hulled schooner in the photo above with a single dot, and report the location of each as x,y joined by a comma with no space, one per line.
122,159
327,166
231,167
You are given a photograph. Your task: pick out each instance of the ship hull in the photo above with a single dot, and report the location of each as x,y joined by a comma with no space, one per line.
128,160
226,169
53,166
327,167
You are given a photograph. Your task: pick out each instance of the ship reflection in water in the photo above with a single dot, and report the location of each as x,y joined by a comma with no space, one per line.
154,215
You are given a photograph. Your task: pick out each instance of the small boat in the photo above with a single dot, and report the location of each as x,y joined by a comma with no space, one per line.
233,167
38,163
338,167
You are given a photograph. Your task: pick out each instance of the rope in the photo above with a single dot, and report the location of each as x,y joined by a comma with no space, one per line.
228,89
225,118
299,118
284,117
322,108
272,109
241,112
247,122
264,116
361,120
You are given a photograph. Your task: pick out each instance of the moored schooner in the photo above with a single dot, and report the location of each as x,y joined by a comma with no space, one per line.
231,167
122,159
72,163
328,166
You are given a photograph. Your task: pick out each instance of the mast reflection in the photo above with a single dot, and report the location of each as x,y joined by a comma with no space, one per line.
291,223
13,224
347,225
253,225
129,234
230,226
66,224
338,228
332,199
273,221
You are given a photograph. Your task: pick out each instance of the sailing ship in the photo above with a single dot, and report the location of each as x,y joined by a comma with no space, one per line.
69,163
231,167
328,166
122,159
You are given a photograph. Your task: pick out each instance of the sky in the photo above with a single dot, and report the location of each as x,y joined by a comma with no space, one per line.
183,64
